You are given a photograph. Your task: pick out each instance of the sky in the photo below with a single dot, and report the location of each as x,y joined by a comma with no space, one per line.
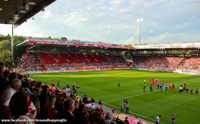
115,21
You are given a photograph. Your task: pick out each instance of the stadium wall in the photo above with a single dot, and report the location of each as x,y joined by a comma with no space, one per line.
191,72
79,70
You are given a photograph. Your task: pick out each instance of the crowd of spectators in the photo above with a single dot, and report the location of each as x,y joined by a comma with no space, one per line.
190,63
63,62
21,98
30,62
165,63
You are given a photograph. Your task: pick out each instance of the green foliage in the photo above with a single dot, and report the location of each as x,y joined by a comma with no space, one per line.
76,41
18,39
2,37
4,44
5,52
5,56
64,38
5,47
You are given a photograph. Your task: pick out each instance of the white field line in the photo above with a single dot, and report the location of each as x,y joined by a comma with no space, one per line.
131,96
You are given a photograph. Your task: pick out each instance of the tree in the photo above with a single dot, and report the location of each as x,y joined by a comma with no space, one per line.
5,56
49,37
18,39
64,38
5,52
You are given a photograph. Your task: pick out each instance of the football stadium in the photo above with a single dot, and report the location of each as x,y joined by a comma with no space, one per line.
58,80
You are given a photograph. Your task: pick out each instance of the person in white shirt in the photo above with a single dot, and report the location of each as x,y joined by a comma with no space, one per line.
158,119
181,89
10,91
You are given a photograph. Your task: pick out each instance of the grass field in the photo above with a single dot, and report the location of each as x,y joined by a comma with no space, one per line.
186,107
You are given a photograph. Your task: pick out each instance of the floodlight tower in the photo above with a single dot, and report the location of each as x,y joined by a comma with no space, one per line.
140,20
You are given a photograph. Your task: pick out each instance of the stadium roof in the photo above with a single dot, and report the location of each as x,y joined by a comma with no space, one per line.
30,42
18,11
42,41
177,46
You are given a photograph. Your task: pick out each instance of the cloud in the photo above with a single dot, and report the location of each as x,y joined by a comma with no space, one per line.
174,38
24,31
130,40
74,19
151,31
47,14
108,32
115,21
167,37
116,1
5,29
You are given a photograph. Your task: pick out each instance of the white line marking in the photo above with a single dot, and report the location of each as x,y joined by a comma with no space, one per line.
131,96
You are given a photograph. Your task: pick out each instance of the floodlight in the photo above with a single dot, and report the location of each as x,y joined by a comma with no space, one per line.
16,15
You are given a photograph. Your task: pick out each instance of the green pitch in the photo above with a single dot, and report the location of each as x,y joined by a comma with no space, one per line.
104,85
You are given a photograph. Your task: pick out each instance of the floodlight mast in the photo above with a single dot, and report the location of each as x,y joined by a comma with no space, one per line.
140,20
12,45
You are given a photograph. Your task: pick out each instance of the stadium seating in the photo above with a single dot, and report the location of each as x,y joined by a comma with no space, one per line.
167,63
57,61
190,63
158,62
29,62
51,59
